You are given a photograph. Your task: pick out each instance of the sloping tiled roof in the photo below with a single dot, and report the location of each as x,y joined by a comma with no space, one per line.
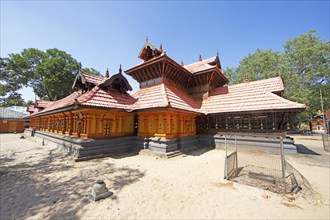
43,103
11,114
181,100
95,97
67,101
163,95
150,97
200,65
92,78
251,96
100,98
244,97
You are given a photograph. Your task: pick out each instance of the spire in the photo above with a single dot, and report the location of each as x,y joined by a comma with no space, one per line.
120,69
217,53
200,57
147,38
246,78
161,48
107,73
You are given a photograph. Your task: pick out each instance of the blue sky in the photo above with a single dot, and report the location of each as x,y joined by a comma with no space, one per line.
105,34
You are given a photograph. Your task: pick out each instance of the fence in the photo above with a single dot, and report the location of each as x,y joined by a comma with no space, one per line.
255,167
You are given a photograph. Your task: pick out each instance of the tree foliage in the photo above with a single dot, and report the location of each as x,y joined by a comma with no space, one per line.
304,66
91,71
50,73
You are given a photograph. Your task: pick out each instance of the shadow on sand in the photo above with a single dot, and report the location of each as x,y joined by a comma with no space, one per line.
29,189
302,149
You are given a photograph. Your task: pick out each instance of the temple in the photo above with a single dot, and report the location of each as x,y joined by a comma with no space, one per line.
176,107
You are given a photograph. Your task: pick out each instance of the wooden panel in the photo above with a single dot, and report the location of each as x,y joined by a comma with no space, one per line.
12,126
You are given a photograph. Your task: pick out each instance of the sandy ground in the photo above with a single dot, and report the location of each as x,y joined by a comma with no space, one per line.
37,182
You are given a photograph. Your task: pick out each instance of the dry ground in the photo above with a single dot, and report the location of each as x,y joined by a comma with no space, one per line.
38,183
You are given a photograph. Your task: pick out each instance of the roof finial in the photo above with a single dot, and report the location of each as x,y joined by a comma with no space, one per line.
120,69
161,48
147,38
246,78
182,63
217,53
200,57
107,73
79,66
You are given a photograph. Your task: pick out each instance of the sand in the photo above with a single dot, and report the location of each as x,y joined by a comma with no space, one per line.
38,182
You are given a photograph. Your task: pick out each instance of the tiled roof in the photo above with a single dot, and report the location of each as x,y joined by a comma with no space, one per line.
10,114
200,65
92,78
100,98
181,100
150,97
244,97
67,101
43,103
163,95
251,96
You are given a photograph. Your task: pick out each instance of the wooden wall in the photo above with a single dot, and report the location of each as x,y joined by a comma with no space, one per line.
166,124
12,126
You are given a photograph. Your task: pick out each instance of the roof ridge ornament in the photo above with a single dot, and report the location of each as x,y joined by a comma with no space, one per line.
161,48
120,69
246,78
107,73
200,57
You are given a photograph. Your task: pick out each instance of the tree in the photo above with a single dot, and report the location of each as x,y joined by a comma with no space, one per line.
29,102
13,99
50,73
231,74
308,70
259,65
91,71
304,66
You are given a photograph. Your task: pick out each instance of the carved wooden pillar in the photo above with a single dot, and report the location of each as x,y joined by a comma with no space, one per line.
193,125
160,124
167,123
174,124
121,124
145,128
140,124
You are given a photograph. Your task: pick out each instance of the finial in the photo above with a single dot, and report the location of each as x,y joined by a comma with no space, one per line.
120,69
79,66
107,73
147,38
246,78
182,63
200,57
217,53
161,48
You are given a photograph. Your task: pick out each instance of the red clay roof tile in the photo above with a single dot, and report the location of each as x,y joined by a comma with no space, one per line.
100,98
200,65
92,78
244,97
251,96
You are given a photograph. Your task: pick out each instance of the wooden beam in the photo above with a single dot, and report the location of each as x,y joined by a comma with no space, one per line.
148,73
163,68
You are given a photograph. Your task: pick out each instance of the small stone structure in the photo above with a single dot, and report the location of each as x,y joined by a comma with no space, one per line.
99,191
